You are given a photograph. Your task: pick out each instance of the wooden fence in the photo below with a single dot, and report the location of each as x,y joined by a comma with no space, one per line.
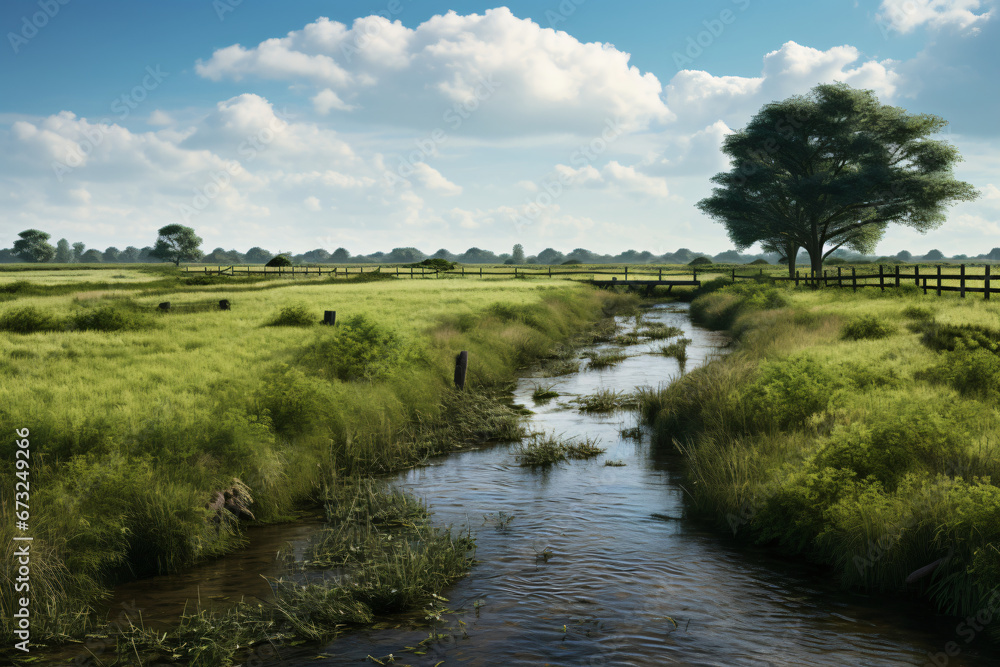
929,279
419,272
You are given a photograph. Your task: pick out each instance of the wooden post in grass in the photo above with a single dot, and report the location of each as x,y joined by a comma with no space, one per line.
840,281
329,317
925,285
897,275
626,273
939,279
661,273
962,281
461,367
881,278
916,275
734,274
796,278
986,284
854,278
550,272
480,270
696,275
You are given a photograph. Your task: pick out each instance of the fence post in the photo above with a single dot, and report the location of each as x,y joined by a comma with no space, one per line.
626,273
986,284
696,275
796,278
480,270
661,273
329,317
734,275
411,272
881,278
962,281
916,275
461,366
840,282
897,275
939,279
854,278
925,285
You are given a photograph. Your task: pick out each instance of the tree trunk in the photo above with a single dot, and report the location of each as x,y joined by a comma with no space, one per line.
791,252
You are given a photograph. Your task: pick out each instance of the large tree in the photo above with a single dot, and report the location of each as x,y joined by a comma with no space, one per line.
33,246
177,243
64,254
833,169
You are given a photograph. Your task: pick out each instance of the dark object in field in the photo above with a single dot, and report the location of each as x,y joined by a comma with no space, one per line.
231,504
917,575
279,261
165,306
461,366
224,304
329,317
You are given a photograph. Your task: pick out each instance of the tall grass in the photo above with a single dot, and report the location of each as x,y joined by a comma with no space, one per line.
833,435
135,428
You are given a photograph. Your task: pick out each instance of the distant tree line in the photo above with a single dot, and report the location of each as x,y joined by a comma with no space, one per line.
32,246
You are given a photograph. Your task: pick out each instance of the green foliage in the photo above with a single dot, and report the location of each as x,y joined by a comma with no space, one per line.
788,391
295,315
546,449
118,316
358,349
868,327
437,263
28,319
700,261
278,261
780,187
176,243
760,262
918,313
967,336
904,438
972,372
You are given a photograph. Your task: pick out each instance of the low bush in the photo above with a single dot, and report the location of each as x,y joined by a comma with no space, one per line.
122,316
357,349
972,372
296,315
788,391
28,319
868,327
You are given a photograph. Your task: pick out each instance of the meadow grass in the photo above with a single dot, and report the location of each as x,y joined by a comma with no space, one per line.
133,427
836,433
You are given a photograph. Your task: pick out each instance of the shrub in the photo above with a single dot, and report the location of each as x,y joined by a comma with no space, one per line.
437,263
279,260
868,327
699,261
787,391
124,316
359,349
760,262
295,315
918,313
28,319
951,337
572,262
903,438
972,372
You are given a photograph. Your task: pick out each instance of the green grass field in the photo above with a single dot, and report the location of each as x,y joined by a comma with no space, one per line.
857,430
137,415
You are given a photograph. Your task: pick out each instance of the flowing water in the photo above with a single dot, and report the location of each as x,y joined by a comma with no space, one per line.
598,565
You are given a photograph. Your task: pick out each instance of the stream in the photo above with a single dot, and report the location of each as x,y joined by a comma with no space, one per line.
597,565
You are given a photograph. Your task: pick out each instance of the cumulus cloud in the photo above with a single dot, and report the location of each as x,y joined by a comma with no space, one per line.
700,98
239,165
493,72
906,15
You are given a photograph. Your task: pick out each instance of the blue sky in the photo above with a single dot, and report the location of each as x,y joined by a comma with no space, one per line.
372,125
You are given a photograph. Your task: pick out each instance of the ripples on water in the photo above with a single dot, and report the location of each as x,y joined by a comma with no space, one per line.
626,581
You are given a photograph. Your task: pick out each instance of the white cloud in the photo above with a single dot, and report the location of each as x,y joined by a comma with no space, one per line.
312,204
492,73
700,99
432,179
630,180
906,15
160,118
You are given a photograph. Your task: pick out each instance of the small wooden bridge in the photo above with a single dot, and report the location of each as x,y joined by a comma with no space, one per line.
648,284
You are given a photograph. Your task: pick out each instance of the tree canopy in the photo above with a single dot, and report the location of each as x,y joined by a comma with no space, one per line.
33,246
833,169
177,243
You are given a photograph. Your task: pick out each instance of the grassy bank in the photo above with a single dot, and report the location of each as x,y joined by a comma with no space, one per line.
137,416
857,430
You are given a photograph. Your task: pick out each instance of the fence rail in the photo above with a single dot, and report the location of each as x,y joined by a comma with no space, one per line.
935,279
414,272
